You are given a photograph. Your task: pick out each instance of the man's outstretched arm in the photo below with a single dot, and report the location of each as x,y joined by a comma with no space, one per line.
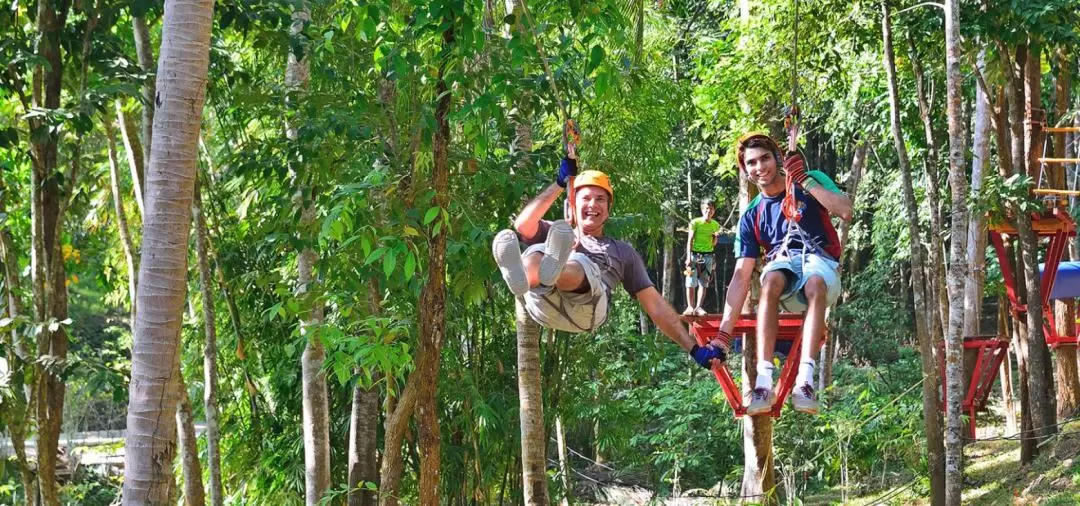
665,318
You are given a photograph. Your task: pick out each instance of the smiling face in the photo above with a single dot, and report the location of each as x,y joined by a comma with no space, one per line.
592,205
708,210
762,170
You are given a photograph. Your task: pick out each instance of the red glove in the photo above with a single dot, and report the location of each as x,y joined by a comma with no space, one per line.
796,168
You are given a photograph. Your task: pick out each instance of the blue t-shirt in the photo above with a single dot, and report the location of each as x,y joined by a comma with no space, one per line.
762,224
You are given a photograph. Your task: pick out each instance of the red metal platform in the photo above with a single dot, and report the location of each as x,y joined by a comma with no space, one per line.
1056,225
789,328
991,351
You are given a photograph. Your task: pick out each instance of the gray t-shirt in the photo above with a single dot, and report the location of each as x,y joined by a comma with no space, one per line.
617,260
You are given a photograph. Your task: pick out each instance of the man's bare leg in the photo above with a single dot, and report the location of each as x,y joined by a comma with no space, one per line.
689,298
803,397
700,296
762,397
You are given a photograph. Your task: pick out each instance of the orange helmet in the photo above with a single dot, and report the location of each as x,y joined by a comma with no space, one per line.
594,178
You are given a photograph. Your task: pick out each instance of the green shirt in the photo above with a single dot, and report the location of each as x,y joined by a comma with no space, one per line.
702,231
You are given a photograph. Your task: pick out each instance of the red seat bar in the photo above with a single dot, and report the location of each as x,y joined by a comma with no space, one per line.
789,328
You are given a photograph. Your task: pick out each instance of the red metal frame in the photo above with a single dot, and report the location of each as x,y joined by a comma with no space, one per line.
991,352
789,328
1058,226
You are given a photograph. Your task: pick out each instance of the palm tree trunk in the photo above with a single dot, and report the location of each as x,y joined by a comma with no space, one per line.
210,376
931,402
151,422
531,399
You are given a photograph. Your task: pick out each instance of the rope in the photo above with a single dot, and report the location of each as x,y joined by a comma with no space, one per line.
543,60
1020,436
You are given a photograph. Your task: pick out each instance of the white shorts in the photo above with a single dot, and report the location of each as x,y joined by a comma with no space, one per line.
798,269
569,311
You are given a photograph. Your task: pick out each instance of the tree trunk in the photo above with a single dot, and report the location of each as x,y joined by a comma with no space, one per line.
1040,379
930,163
194,494
958,264
210,376
145,52
121,218
363,427
315,396
47,266
134,151
1008,398
16,415
433,295
1067,377
564,462
363,441
533,441
759,471
931,401
858,165
980,165
669,274
151,422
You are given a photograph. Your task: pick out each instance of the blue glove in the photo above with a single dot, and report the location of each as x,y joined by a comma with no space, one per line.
567,168
704,355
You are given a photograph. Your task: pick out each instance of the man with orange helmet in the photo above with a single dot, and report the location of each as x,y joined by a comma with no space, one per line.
567,272
799,273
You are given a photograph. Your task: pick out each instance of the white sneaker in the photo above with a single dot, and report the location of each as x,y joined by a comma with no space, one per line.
557,248
507,255
759,401
804,400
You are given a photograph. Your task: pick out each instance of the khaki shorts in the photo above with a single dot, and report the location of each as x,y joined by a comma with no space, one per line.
569,311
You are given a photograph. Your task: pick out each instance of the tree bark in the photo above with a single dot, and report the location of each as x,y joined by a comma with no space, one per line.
1008,398
315,396
363,427
121,219
210,375
858,164
1040,373
194,493
433,296
564,462
151,422
134,151
958,264
16,415
669,274
145,53
759,470
931,402
930,163
1067,377
980,165
47,266
533,441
